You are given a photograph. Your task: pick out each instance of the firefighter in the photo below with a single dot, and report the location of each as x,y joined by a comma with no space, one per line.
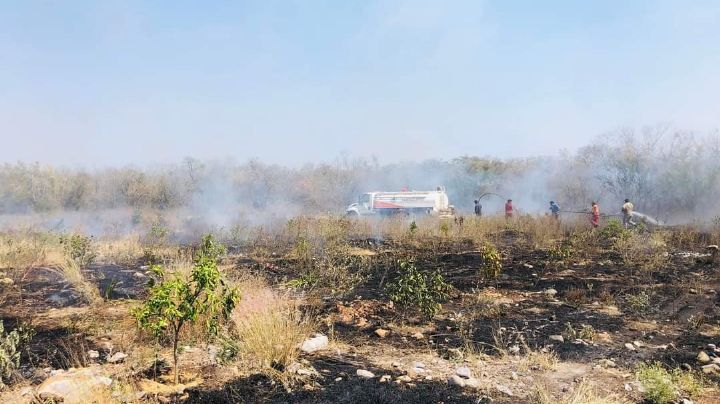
555,209
594,215
508,209
627,211
478,208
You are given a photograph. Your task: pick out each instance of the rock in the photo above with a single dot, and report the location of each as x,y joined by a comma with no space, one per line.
528,266
419,365
117,357
314,344
514,375
139,275
382,333
93,354
716,361
338,379
456,380
702,357
630,347
73,386
557,338
504,389
404,378
686,401
418,336
712,346
607,363
686,366
515,349
472,382
396,364
464,372
385,378
365,374
6,281
638,344
550,292
710,369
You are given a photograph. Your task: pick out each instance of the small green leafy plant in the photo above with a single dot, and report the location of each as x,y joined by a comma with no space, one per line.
614,230
80,248
491,261
414,288
560,252
177,299
663,386
10,345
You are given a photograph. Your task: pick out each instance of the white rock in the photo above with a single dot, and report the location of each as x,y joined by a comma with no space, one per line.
419,365
314,344
638,344
630,347
73,386
550,292
385,378
710,369
117,357
404,378
93,354
557,338
504,389
365,374
456,380
464,372
702,357
607,363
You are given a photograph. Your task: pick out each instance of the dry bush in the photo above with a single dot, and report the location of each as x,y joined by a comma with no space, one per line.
576,295
538,360
540,232
23,250
125,251
645,252
270,326
71,271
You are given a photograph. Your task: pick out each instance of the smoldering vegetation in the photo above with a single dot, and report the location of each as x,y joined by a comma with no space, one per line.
673,176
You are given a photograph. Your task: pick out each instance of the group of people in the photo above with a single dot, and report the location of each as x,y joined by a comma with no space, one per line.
627,211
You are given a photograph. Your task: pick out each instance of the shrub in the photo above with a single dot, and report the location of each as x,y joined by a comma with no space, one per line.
417,289
658,383
560,252
10,344
491,261
80,248
614,230
638,303
179,299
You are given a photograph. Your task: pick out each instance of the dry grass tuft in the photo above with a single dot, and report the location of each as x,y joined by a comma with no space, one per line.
270,325
584,393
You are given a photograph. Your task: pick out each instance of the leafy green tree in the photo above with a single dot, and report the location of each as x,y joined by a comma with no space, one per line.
177,299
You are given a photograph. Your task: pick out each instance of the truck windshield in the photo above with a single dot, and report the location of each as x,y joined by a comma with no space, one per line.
364,198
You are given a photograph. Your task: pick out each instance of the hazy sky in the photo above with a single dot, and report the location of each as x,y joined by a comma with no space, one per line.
114,82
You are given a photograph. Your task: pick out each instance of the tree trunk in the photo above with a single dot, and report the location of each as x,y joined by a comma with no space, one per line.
175,354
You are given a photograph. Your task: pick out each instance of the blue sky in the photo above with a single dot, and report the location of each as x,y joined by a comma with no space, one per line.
101,83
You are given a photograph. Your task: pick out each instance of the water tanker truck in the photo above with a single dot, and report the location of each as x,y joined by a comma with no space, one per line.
404,202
